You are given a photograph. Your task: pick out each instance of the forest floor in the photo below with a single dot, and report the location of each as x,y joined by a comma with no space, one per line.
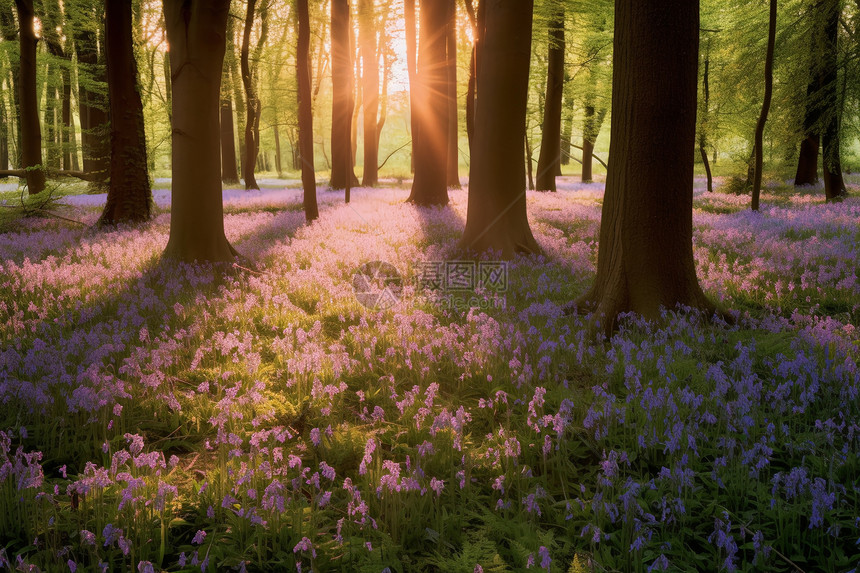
363,400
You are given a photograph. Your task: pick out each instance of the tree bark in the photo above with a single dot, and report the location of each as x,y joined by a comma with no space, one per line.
703,123
430,185
196,31
645,258
765,108
31,132
496,218
343,101
370,90
249,162
549,159
229,169
834,185
10,35
412,71
306,118
451,68
129,196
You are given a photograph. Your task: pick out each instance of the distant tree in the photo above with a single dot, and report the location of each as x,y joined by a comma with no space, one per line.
430,136
370,90
496,218
9,30
52,20
252,127
704,113
229,167
129,195
758,144
306,118
645,258
196,31
549,160
451,69
31,132
343,101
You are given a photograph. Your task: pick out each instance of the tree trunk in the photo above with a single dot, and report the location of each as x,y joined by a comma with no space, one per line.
430,185
834,186
306,118
129,195
10,35
549,160
229,169
496,218
412,71
703,124
4,135
645,258
31,132
343,101
588,137
92,104
453,169
370,90
567,132
196,31
50,140
765,108
249,162
232,63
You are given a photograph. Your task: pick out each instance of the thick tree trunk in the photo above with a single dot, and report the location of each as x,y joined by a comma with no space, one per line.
549,160
92,104
834,186
196,31
807,160
370,90
645,259
451,68
765,108
496,219
412,71
430,185
129,195
306,118
31,132
229,169
249,162
476,20
343,100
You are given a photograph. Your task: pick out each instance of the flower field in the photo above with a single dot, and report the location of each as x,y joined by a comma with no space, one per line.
187,418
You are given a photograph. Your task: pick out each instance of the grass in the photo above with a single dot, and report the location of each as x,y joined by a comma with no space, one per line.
176,417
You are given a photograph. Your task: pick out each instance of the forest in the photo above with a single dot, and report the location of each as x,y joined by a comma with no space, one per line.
430,285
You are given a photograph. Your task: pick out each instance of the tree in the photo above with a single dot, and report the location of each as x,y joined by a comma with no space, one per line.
10,35
703,118
252,125
645,258
549,160
834,186
31,132
306,118
496,218
370,90
129,196
451,69
343,102
229,168
758,144
196,32
430,137
51,22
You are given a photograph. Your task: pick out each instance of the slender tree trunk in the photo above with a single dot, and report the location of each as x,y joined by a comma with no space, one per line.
129,196
196,31
229,169
412,72
645,258
249,162
10,36
703,124
588,138
68,137
453,130
342,97
765,108
370,90
306,118
430,185
4,134
31,132
549,159
232,63
567,131
496,218
49,141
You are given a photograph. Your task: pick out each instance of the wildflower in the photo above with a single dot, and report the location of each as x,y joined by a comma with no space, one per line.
199,537
545,560
145,567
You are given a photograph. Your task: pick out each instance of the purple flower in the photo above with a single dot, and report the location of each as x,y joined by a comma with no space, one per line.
199,537
545,560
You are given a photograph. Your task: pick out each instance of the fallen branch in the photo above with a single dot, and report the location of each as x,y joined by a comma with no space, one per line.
52,173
